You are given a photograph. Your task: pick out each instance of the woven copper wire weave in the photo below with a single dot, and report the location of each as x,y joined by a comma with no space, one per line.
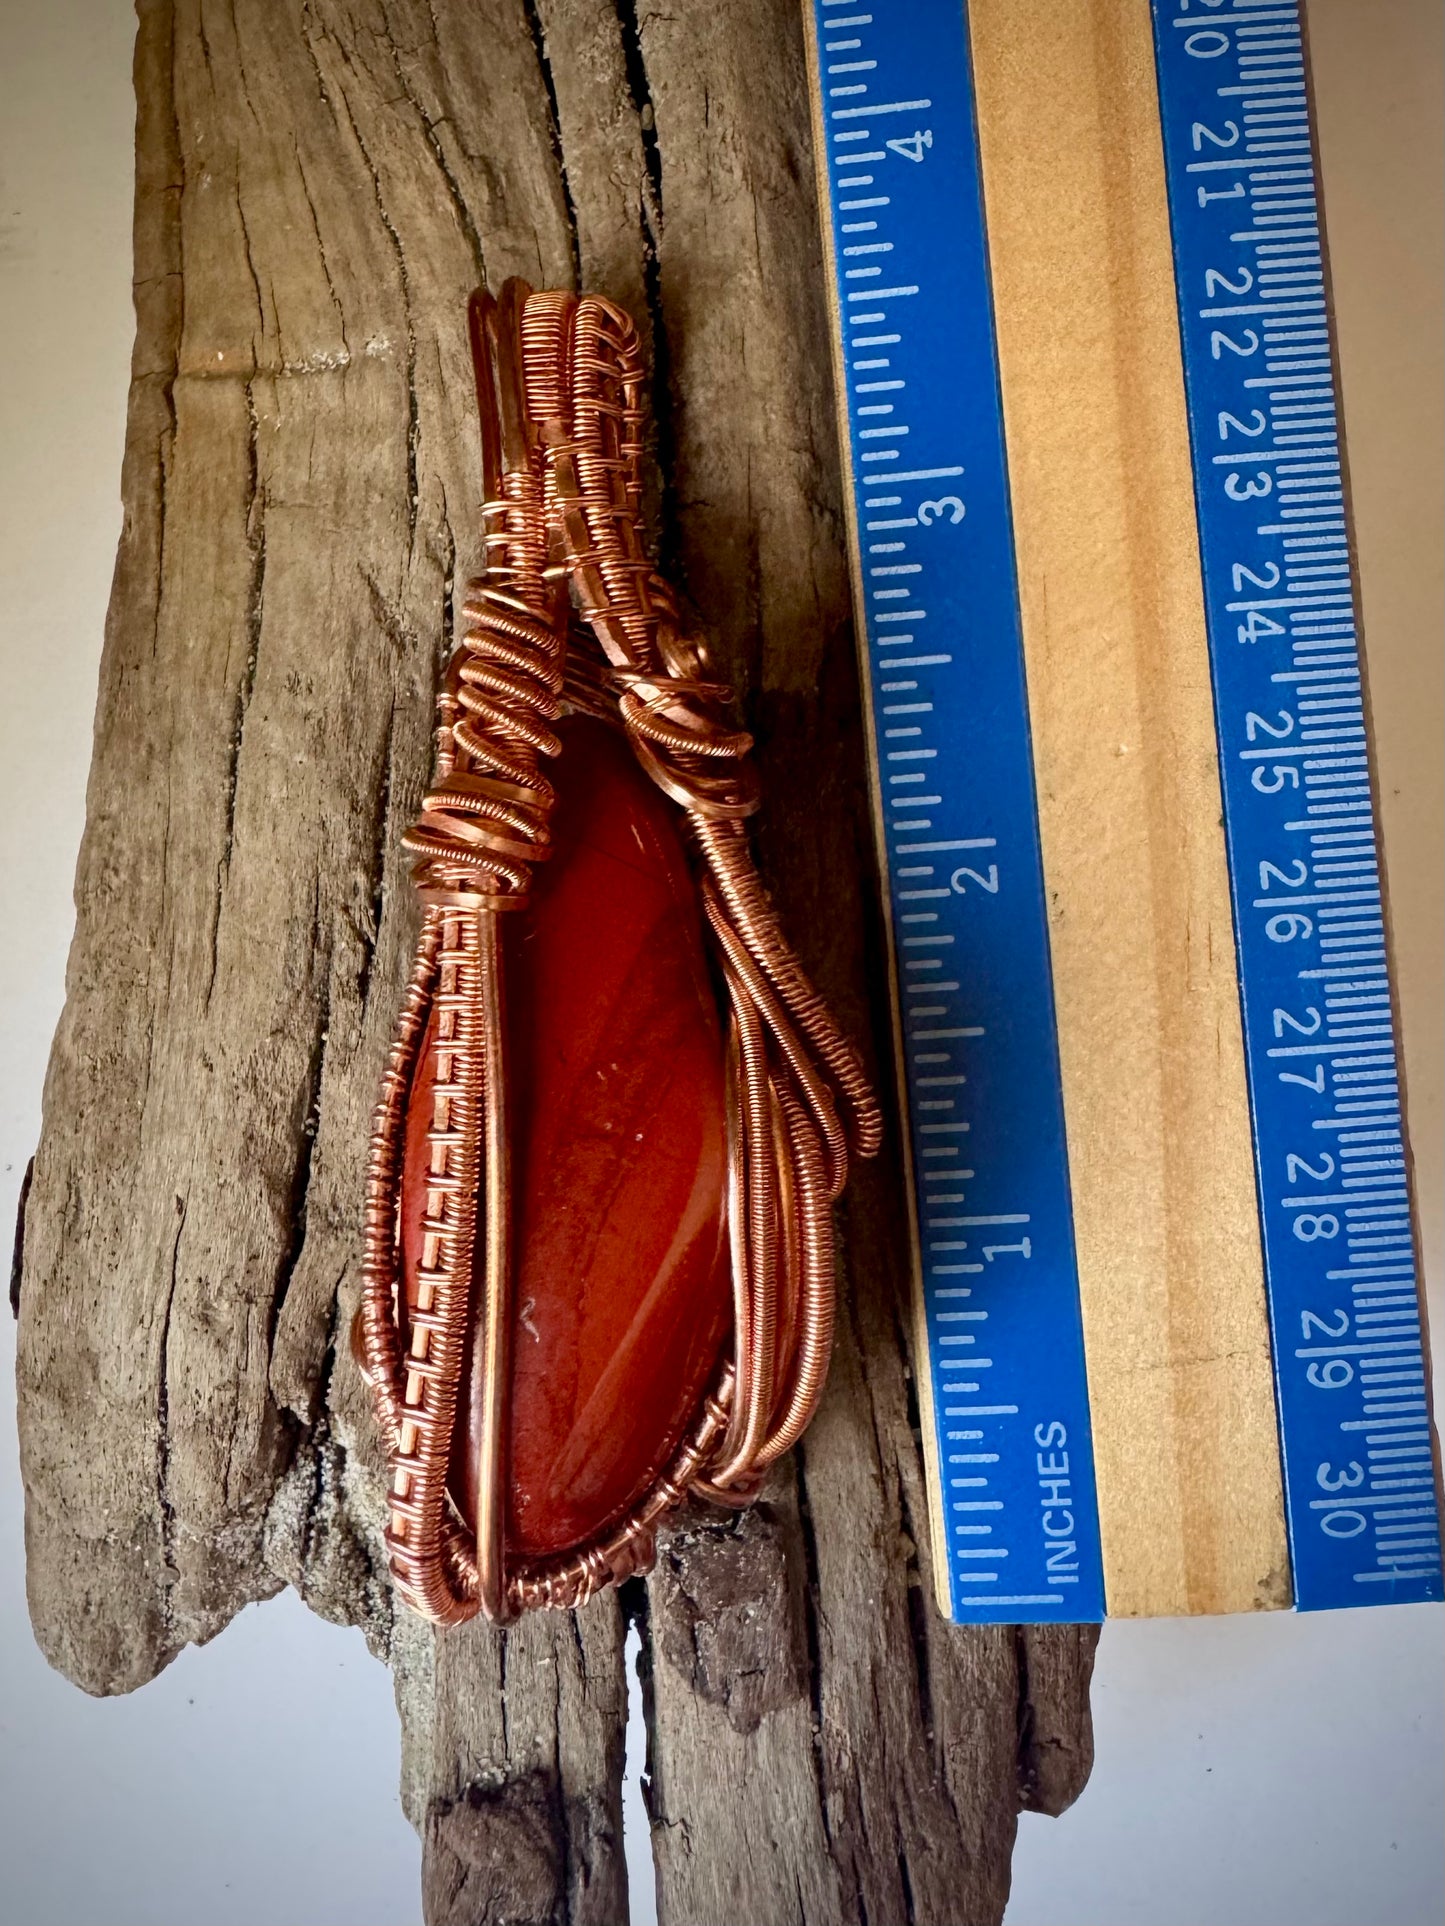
560,385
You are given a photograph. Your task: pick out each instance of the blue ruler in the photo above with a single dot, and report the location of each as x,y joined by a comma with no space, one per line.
1006,1400
1280,600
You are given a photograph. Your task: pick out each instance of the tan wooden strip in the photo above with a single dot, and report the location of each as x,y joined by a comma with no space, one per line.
1129,800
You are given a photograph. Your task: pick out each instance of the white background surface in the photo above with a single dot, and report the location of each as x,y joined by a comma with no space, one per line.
1275,1769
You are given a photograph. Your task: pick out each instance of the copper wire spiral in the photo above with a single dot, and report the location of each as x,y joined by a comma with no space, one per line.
561,395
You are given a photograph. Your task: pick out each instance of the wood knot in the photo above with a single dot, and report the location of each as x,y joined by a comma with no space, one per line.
730,1618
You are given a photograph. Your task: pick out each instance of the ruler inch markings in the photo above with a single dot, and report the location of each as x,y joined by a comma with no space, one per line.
1310,935
990,1034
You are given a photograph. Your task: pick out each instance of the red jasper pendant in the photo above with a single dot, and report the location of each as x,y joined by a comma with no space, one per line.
623,1280
598,1269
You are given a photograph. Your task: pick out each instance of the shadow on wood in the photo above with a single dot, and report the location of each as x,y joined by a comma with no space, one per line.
319,184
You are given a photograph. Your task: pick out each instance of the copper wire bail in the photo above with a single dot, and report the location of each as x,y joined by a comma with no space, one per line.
560,391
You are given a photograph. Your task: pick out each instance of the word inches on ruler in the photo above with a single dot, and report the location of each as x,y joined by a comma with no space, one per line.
1304,859
929,509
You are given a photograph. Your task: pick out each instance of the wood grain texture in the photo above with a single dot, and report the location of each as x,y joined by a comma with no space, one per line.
319,184
1145,980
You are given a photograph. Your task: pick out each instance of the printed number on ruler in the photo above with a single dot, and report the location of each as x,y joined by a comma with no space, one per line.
1300,824
1011,1455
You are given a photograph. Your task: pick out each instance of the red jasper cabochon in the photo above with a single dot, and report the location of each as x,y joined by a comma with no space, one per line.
621,1295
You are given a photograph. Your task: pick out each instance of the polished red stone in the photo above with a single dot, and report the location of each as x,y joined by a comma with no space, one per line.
622,1292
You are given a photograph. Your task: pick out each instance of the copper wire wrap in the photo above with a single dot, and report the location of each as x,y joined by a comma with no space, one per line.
560,386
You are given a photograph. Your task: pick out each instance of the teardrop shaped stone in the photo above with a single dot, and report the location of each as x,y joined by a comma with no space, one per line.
622,1292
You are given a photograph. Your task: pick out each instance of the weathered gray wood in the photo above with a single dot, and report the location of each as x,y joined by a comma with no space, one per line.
318,186
513,1768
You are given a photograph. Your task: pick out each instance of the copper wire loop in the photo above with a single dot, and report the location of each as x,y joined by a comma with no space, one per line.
560,387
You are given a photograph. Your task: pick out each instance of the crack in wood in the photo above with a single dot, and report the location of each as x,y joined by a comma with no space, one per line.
554,131
462,209
369,930
164,1503
298,1203
18,1247
813,1633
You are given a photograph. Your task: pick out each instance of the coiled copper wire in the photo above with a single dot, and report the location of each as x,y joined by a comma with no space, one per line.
561,395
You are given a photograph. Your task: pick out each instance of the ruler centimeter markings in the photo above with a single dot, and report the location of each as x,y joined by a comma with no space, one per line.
1280,596
1004,1407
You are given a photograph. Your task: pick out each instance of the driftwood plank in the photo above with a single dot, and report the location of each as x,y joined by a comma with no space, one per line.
318,186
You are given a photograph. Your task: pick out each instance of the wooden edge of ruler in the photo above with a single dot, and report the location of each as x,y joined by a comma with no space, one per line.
922,1376
1126,759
